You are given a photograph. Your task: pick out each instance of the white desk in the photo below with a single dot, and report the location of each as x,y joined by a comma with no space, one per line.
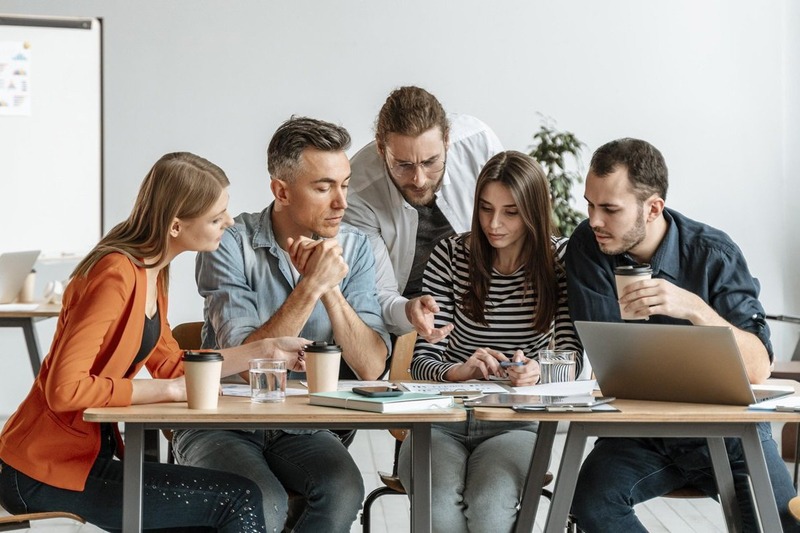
647,419
26,320
240,413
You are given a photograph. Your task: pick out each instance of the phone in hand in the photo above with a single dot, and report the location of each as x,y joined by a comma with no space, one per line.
377,392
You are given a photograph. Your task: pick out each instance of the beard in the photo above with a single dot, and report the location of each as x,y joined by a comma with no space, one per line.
631,239
419,196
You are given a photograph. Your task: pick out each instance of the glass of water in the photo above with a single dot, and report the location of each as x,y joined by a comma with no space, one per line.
267,380
557,365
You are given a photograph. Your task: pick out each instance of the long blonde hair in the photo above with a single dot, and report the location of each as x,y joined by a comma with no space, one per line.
180,185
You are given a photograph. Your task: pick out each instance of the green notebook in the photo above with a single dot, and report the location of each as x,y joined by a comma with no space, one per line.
406,402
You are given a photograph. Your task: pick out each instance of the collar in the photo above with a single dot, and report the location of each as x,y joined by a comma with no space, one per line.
666,260
263,233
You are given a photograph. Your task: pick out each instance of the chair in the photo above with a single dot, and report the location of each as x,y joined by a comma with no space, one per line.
400,370
188,335
23,521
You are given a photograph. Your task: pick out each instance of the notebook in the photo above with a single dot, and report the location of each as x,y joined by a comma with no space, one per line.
693,364
406,402
14,268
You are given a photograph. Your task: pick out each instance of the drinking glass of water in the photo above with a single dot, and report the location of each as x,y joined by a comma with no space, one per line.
557,365
267,380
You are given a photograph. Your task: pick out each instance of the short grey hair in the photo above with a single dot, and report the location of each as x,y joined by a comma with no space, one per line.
297,134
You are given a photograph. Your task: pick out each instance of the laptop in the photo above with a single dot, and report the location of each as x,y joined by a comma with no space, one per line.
14,268
692,364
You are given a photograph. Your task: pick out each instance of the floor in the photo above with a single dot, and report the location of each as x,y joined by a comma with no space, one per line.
373,451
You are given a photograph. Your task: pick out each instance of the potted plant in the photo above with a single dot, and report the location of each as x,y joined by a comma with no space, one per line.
559,154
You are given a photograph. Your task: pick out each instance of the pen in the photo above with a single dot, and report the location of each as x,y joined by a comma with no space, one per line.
506,364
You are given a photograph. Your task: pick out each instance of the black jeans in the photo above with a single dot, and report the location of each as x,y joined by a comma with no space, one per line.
174,497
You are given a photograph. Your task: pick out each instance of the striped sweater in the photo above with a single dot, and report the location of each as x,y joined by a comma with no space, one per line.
509,313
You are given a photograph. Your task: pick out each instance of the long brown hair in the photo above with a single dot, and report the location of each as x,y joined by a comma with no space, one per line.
530,189
180,185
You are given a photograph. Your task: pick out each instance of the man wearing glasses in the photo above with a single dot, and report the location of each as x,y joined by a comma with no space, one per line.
411,187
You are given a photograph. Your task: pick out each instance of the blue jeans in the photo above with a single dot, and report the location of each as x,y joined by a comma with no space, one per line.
175,498
314,464
478,471
622,472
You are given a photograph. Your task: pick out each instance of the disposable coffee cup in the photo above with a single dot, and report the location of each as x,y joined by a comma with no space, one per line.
627,274
203,371
26,294
557,365
267,380
322,366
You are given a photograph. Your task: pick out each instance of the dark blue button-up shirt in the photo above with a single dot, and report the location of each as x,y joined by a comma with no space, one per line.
692,256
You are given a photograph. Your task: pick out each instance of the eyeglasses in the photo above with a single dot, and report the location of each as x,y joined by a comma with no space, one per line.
407,170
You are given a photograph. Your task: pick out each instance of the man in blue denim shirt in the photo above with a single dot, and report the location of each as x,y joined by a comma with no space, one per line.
699,277
294,267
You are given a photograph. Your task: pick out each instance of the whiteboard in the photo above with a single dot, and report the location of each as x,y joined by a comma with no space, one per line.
51,141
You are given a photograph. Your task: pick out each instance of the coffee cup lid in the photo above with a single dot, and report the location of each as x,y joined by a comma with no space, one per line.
322,347
202,357
633,270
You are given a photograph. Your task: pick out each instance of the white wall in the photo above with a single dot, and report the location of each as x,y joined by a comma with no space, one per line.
713,84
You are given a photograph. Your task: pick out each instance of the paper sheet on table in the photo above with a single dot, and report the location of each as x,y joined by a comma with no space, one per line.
12,308
564,388
236,389
438,388
786,403
348,384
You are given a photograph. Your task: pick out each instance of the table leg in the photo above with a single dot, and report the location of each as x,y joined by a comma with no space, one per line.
33,345
724,478
759,476
567,477
531,492
132,478
421,478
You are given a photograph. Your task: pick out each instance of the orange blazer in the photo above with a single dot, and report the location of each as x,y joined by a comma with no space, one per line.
98,335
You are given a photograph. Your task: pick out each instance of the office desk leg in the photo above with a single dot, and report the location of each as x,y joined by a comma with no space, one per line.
759,476
567,477
532,490
724,478
421,478
32,342
132,478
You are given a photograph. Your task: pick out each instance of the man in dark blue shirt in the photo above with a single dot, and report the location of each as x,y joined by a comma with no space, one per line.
700,277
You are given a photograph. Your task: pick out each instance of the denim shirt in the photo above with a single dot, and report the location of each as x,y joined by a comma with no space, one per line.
248,278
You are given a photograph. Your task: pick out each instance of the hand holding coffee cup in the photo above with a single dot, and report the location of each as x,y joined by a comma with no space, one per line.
626,275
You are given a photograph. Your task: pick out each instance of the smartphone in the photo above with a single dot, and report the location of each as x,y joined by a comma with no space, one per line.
377,392
506,364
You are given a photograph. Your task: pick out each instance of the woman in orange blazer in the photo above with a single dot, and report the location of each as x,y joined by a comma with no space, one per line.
113,322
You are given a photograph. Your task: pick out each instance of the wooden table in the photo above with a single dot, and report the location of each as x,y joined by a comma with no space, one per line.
647,419
26,321
295,412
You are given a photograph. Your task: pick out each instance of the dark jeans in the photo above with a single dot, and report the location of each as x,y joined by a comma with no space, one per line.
622,472
313,464
175,498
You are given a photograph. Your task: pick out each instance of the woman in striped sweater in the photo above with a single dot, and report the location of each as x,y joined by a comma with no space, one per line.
503,287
